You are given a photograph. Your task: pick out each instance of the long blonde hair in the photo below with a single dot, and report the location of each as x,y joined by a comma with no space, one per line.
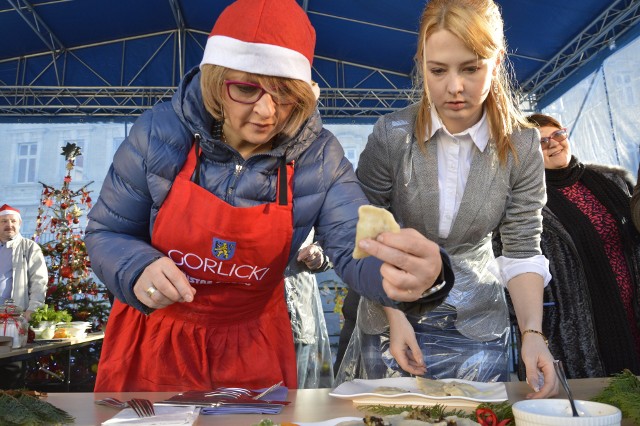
212,86
479,25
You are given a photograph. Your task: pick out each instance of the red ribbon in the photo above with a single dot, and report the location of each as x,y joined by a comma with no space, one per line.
5,319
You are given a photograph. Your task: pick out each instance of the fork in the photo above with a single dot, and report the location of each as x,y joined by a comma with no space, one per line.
238,392
142,407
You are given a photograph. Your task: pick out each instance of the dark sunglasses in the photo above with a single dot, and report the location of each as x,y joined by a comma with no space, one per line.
249,93
558,136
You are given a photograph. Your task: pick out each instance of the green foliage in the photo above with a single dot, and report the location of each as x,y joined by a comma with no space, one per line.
18,408
502,411
434,412
48,313
623,392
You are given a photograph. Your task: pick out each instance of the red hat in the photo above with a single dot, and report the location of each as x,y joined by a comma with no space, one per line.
7,209
269,37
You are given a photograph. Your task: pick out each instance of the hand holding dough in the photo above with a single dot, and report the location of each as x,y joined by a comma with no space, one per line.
371,222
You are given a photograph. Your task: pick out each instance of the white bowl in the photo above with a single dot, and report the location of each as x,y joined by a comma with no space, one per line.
74,329
44,330
557,412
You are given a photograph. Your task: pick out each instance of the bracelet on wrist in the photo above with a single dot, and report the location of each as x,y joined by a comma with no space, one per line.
437,285
539,333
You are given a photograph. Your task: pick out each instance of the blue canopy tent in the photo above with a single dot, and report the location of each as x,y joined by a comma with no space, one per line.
98,58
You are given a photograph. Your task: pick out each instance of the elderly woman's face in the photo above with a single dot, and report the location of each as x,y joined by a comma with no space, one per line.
555,147
253,115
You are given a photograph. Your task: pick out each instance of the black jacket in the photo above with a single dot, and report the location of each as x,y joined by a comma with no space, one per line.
568,320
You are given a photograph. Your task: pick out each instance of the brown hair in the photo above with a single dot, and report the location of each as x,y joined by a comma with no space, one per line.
212,86
479,25
543,120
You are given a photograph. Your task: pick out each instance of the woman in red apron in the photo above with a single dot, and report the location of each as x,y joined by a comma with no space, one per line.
202,207
236,331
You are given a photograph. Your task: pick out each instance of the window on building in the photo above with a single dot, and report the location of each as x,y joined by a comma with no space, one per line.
27,155
352,155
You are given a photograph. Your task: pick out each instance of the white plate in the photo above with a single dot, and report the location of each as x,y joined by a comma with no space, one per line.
362,391
331,422
57,339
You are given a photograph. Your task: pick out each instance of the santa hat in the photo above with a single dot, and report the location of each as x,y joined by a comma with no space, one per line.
7,209
269,37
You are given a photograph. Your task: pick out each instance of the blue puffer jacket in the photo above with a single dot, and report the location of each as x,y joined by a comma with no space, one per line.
326,192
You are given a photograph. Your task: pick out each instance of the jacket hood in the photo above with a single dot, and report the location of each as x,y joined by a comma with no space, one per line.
189,106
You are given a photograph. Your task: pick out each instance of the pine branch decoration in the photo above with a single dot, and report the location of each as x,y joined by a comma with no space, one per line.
434,412
438,412
18,408
623,392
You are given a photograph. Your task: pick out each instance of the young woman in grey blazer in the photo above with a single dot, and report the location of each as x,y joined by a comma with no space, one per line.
456,166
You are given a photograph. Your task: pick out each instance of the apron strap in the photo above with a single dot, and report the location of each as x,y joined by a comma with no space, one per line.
282,182
196,173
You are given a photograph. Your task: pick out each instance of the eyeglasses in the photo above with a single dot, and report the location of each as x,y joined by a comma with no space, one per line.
249,93
558,136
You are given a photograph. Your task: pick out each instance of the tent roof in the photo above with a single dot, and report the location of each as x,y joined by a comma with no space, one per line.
119,57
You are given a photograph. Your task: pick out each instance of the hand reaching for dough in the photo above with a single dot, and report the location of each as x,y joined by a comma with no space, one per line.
403,343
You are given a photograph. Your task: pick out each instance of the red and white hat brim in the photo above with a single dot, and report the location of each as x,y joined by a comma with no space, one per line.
8,212
256,58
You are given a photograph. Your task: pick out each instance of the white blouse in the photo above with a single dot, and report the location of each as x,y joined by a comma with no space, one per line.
455,152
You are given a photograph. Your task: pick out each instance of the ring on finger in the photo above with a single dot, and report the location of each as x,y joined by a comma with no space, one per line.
152,289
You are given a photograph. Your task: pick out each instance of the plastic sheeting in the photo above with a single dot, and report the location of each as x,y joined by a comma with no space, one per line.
601,112
466,337
310,335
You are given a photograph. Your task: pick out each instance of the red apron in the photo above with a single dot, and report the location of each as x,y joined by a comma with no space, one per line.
236,332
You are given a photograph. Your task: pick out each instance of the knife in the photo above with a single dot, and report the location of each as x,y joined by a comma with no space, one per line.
230,404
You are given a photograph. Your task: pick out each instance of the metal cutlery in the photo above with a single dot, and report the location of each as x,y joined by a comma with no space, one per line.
557,364
268,390
142,407
237,391
228,397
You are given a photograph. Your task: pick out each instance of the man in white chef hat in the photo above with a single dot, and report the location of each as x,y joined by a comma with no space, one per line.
23,271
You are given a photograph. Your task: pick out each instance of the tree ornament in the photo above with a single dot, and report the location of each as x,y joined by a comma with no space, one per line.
70,151
66,272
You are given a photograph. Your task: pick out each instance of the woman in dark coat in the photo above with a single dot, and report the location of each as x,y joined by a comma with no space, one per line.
591,310
635,203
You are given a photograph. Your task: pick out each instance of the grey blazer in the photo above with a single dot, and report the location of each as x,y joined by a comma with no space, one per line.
397,175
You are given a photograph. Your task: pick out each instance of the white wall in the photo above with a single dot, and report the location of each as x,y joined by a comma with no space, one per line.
100,142
98,139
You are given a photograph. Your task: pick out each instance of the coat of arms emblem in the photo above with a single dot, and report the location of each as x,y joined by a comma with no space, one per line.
223,250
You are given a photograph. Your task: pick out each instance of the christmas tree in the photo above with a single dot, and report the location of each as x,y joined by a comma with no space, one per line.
59,232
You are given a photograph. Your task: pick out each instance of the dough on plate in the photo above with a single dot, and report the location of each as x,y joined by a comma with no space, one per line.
453,388
389,390
402,420
372,221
